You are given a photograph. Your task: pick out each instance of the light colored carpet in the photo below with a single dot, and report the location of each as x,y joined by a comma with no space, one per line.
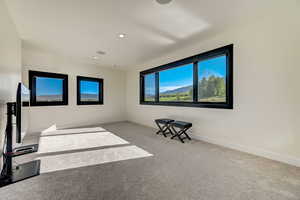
77,141
89,158
192,171
71,131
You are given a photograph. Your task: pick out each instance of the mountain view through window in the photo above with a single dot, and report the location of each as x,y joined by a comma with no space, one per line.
176,84
203,80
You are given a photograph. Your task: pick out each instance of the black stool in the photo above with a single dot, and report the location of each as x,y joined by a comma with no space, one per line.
183,127
164,126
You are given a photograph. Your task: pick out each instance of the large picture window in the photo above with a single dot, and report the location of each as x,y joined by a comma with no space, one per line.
203,80
89,91
48,89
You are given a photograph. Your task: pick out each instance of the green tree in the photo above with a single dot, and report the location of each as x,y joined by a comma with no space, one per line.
220,86
177,96
202,88
212,87
190,93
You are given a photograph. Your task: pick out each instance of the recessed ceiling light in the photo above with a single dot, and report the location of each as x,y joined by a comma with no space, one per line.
101,52
122,35
163,1
95,57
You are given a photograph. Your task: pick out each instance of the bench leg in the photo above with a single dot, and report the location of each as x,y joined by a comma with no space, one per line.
179,133
170,131
158,127
186,135
163,129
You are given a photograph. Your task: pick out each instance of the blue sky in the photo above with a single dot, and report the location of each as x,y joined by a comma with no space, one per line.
48,86
89,87
183,76
215,66
176,78
150,84
54,86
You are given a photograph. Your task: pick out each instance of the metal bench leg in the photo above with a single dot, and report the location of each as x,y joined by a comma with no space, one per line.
185,133
165,127
170,131
188,137
159,128
177,134
162,129
174,131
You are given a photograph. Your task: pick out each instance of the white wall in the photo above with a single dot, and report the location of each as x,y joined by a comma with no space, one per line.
265,119
10,65
10,56
73,115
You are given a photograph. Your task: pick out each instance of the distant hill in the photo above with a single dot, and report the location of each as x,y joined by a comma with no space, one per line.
179,90
89,97
49,98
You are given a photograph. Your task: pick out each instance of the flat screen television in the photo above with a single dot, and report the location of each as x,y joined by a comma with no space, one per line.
22,111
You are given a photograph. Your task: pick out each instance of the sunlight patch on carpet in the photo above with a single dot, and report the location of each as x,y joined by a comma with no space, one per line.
90,158
58,143
52,131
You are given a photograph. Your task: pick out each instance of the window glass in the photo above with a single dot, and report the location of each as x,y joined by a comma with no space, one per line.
89,90
49,89
176,84
212,80
149,83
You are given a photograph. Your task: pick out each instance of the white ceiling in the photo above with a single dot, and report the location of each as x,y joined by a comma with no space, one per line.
80,28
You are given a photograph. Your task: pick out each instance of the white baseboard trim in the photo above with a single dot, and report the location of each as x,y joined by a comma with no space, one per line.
254,151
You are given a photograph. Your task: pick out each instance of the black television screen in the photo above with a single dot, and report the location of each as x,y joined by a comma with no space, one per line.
22,111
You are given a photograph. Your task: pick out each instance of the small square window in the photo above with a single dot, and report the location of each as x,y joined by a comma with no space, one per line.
48,89
89,91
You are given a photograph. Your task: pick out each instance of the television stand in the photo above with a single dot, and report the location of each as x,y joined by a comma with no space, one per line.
22,171
23,150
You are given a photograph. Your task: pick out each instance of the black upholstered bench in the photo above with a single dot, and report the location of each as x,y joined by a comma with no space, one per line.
182,128
164,126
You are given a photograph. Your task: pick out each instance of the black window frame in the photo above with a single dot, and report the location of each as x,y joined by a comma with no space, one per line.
32,86
101,91
225,50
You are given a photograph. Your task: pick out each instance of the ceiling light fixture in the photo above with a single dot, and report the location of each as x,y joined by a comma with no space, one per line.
95,57
101,52
163,1
122,35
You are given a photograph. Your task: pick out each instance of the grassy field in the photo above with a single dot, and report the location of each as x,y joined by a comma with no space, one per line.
176,98
213,99
149,99
185,98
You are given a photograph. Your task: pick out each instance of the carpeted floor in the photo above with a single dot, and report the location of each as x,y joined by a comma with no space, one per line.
194,170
